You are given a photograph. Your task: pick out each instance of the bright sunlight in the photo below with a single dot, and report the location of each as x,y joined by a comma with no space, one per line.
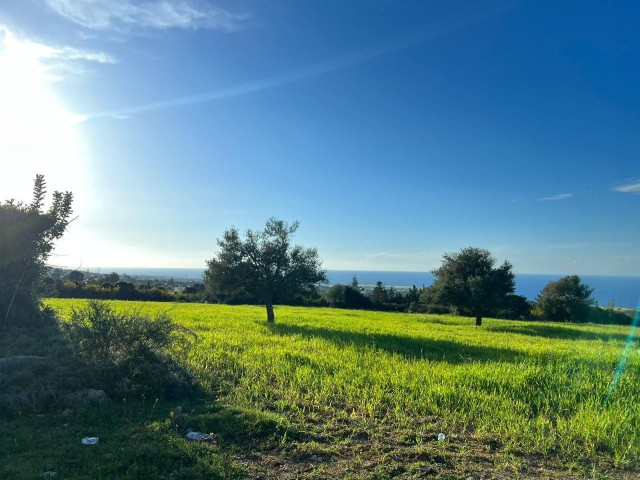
37,133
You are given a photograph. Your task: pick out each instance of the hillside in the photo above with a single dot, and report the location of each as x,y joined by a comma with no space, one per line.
351,394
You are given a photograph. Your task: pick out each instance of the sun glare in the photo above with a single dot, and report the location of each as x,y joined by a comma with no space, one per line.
37,133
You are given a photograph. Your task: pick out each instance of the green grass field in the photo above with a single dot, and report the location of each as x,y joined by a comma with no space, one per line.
329,393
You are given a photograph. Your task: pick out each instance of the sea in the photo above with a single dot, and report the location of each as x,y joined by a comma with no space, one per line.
621,290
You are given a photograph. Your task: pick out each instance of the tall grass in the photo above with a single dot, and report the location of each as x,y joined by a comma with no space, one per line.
534,388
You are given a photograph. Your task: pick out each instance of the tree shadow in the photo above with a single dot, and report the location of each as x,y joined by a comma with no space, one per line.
560,332
413,348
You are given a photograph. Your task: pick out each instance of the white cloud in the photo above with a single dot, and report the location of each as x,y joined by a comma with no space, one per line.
628,188
50,61
553,198
125,15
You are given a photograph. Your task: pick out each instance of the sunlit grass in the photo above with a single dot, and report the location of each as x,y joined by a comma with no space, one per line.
528,387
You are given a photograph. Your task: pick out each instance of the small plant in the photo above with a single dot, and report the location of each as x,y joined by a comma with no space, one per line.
129,352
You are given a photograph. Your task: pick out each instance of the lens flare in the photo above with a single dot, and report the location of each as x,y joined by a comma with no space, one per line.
626,353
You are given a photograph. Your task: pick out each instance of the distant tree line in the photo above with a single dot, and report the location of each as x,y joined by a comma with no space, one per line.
553,303
266,268
468,283
75,284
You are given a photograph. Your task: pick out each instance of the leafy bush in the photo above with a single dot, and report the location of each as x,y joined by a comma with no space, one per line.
130,352
346,296
609,316
27,236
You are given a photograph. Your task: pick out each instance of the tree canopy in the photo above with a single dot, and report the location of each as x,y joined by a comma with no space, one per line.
265,264
566,300
347,296
470,282
27,236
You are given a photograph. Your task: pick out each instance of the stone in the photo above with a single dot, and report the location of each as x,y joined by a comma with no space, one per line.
85,397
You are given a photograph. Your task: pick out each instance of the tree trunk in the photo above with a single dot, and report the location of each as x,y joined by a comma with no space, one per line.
271,318
478,320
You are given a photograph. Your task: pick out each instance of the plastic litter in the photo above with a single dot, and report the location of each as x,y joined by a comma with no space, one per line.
90,440
441,437
199,437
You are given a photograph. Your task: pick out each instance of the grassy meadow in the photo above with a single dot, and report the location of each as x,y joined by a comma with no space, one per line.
327,393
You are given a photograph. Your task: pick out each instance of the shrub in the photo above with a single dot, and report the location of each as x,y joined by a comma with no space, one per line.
27,236
609,316
346,296
129,352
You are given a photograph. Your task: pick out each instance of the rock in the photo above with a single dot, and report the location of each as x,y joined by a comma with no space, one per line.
85,397
7,363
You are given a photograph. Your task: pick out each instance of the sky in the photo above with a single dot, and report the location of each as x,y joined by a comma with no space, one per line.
393,131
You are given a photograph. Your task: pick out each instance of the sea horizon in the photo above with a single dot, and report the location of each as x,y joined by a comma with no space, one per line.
623,290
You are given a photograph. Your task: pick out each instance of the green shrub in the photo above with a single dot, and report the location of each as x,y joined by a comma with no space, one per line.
130,352
27,236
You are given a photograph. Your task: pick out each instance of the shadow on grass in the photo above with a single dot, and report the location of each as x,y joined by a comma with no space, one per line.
41,431
409,347
559,332
241,426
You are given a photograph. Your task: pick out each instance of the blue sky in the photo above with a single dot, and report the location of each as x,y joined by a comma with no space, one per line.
394,131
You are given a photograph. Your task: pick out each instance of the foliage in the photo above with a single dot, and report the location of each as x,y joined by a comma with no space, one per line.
113,277
470,282
75,276
128,351
515,307
609,316
264,264
379,294
429,301
346,296
27,235
566,300
122,291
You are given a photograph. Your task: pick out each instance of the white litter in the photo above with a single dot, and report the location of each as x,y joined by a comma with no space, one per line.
441,437
90,440
199,437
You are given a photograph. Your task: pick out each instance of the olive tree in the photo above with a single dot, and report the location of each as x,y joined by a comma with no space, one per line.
470,281
566,300
265,264
27,236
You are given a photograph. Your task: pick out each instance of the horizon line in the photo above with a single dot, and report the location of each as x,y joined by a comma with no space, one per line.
115,269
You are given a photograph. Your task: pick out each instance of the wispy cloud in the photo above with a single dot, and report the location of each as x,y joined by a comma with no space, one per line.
553,198
573,246
51,61
340,62
633,187
427,256
129,15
